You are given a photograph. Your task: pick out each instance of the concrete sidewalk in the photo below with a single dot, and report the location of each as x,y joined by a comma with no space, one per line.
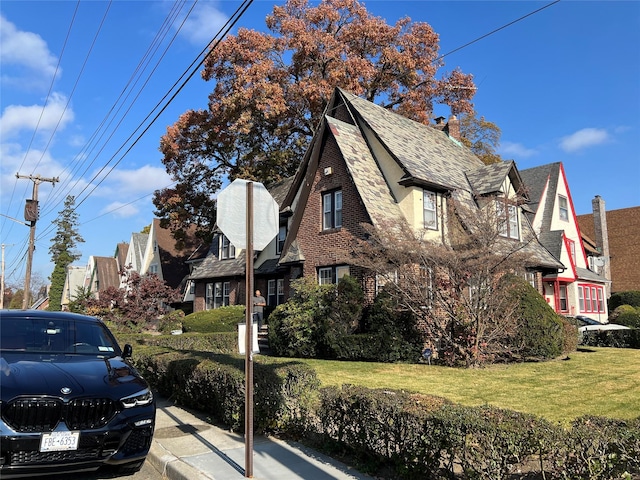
186,447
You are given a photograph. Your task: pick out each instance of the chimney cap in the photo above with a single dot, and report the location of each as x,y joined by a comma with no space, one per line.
439,120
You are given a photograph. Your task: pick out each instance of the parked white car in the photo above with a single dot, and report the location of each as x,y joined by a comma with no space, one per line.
588,324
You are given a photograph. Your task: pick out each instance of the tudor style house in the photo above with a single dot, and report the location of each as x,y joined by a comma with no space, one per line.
575,289
369,165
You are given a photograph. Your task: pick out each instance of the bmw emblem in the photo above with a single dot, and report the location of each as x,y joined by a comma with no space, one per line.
65,390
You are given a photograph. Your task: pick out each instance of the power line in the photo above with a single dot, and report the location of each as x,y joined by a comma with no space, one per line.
194,66
227,27
87,150
496,30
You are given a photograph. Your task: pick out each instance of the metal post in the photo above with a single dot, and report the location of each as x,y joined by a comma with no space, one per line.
248,363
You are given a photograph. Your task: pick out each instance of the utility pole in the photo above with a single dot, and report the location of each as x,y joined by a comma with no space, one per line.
31,213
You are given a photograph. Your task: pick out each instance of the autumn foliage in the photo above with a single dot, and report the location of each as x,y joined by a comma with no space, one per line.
271,90
139,304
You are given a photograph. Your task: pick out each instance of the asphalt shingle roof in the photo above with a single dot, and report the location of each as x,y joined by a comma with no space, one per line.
366,175
424,152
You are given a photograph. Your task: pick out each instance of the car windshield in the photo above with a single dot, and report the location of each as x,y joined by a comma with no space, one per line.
43,335
584,321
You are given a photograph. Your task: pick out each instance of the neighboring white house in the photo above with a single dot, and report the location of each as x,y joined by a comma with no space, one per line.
576,290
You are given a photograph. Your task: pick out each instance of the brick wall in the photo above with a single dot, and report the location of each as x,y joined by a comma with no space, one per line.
330,247
624,246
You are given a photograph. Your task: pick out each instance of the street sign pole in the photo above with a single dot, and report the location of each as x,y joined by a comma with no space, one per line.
255,233
248,362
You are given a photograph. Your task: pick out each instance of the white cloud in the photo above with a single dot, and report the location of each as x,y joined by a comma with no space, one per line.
121,210
203,24
508,149
130,183
53,115
26,50
585,138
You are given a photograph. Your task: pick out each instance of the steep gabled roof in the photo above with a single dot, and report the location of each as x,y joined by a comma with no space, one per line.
536,180
423,152
137,247
106,271
173,255
365,173
489,179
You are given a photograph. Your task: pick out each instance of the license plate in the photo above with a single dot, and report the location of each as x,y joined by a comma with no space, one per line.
59,441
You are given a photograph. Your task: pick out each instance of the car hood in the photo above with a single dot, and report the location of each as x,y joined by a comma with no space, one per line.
36,374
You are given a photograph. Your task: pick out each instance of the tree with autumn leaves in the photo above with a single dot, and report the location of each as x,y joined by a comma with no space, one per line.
271,90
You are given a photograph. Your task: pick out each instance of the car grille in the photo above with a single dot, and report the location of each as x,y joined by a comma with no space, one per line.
28,415
34,457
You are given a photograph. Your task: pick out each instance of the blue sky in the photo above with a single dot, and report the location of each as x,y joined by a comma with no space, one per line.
563,85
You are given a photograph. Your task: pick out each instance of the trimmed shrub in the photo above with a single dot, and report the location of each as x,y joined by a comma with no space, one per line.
171,321
626,315
599,448
223,319
631,297
611,338
542,331
215,384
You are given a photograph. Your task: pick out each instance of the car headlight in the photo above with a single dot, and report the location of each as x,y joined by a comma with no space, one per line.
143,397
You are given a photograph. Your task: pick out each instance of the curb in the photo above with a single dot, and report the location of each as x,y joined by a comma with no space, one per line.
171,467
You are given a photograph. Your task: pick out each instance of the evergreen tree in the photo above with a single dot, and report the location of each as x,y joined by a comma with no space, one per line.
63,251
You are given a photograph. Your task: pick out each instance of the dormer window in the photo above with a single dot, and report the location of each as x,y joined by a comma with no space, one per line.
563,206
227,250
429,210
507,219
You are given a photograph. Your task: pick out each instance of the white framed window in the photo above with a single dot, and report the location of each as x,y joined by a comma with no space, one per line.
564,304
325,275
332,210
507,219
208,297
217,295
153,268
275,292
429,210
329,275
563,208
227,250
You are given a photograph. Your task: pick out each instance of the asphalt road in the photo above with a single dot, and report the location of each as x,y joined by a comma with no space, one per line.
148,472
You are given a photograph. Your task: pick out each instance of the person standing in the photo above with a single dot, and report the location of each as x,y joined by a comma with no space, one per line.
258,308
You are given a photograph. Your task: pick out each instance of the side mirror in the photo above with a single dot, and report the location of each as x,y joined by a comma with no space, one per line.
127,351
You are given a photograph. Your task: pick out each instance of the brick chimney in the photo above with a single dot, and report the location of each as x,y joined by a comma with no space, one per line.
440,125
602,235
453,127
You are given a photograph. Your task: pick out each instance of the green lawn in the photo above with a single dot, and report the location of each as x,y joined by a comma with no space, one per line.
596,381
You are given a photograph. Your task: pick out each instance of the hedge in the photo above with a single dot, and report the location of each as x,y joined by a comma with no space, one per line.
414,436
214,384
611,338
436,439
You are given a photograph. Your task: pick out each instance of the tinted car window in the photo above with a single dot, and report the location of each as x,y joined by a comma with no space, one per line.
38,335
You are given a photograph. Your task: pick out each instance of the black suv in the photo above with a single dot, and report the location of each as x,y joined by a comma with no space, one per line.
70,400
